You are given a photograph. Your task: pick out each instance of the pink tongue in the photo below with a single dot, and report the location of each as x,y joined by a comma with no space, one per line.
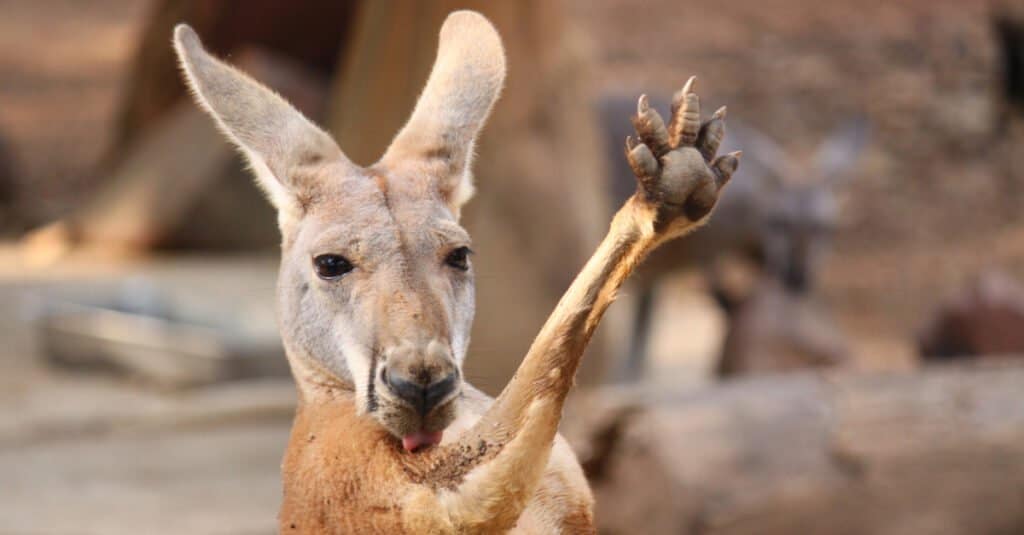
420,439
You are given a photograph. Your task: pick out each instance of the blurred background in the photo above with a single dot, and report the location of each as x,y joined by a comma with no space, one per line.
837,352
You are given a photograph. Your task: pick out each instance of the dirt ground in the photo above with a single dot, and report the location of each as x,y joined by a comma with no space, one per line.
219,480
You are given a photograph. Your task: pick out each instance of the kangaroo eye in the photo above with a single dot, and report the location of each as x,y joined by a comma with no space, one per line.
332,266
459,258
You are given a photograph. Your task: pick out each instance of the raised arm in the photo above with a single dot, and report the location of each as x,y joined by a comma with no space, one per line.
679,180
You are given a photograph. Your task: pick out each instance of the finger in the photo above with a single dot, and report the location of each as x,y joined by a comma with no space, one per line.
650,127
673,124
724,166
642,162
711,135
686,119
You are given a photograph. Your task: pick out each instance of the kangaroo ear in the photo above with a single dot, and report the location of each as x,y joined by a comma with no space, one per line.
464,83
839,153
277,140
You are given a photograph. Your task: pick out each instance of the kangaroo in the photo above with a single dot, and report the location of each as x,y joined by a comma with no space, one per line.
780,215
375,297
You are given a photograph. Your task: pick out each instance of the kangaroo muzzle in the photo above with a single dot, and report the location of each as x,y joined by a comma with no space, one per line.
422,377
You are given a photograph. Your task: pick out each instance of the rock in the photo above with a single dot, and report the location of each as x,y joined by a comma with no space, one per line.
931,452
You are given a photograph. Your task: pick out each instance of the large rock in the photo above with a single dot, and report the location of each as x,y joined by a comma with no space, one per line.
937,452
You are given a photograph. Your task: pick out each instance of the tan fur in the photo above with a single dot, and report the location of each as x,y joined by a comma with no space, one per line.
378,490
404,309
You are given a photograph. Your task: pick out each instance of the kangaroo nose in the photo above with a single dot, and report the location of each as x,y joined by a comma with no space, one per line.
420,392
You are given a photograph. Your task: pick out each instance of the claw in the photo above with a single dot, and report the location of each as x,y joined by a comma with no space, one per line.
711,134
673,121
650,127
678,99
688,86
644,165
725,165
686,117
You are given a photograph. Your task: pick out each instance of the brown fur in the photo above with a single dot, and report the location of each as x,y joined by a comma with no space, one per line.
344,474
501,466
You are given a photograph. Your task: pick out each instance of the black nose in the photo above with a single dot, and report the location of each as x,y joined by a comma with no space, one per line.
422,395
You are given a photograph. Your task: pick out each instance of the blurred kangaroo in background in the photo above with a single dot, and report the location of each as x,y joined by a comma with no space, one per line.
781,215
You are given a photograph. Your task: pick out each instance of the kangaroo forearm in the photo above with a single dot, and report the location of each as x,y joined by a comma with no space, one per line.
535,395
514,437
502,458
553,358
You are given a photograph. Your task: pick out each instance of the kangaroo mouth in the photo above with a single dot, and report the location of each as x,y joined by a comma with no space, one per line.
417,432
421,440
429,430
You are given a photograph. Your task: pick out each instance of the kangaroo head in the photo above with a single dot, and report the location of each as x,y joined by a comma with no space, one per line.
798,205
375,290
